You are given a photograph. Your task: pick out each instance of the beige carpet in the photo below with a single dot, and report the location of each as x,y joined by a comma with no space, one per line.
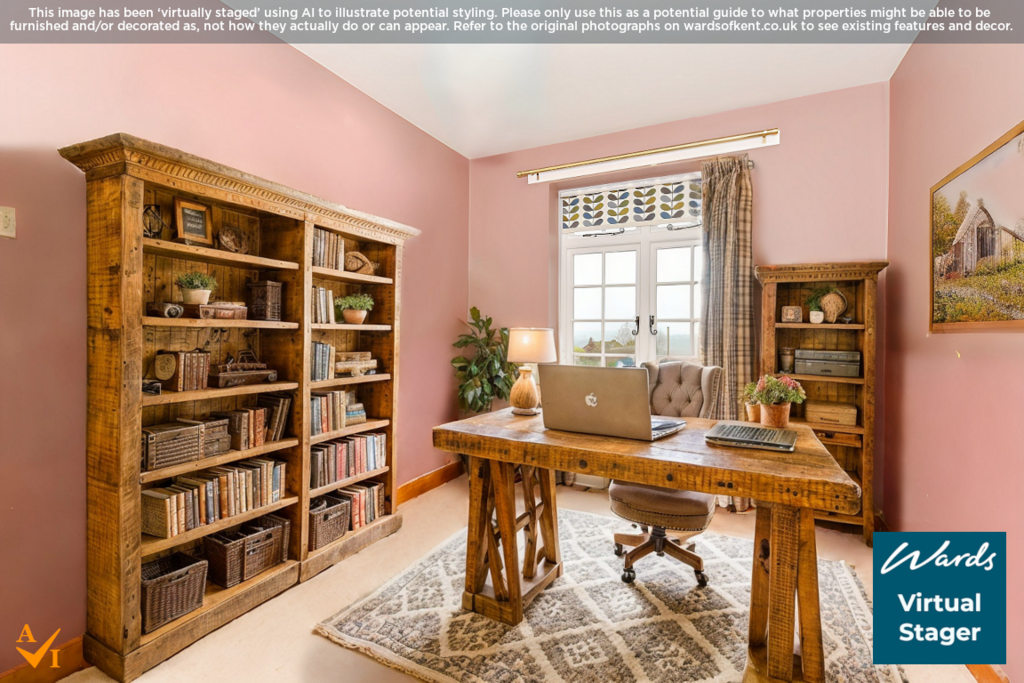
589,626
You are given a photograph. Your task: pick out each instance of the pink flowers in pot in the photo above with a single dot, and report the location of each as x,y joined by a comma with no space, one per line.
772,390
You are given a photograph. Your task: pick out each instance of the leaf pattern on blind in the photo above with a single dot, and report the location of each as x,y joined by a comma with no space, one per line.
632,205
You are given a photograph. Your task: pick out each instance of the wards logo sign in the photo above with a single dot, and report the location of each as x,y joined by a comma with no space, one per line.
940,598
34,658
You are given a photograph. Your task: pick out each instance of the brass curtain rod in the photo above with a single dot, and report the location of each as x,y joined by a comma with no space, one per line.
688,145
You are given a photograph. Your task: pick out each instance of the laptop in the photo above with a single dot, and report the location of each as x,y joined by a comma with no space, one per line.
750,435
602,401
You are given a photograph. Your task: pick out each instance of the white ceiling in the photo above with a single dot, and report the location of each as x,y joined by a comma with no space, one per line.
482,100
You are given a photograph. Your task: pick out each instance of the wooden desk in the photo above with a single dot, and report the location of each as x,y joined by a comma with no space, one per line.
787,486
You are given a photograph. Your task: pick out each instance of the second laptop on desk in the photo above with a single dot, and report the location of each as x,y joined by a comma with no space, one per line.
616,402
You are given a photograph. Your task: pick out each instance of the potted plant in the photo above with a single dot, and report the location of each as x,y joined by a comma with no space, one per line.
814,302
486,374
753,407
196,287
776,395
354,307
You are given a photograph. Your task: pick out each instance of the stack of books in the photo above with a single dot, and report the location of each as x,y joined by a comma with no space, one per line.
367,501
327,411
323,305
322,362
207,496
328,249
278,406
355,414
340,459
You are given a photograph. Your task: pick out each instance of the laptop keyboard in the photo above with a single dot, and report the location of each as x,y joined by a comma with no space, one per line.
761,434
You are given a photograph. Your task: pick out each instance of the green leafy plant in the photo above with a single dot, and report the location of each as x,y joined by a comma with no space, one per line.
354,302
814,300
486,374
196,280
771,390
748,392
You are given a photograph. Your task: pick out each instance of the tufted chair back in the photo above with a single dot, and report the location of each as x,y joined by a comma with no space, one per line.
682,389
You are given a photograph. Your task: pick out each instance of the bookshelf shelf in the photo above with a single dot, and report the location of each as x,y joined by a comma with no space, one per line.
217,599
820,326
364,327
149,321
151,545
217,460
368,426
217,257
350,381
334,486
853,447
345,276
211,394
127,271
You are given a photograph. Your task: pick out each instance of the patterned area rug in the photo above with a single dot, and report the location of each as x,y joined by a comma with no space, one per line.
589,626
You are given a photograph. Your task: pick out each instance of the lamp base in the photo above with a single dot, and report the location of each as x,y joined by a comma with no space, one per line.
524,396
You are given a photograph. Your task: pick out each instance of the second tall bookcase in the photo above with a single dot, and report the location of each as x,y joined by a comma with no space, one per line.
125,176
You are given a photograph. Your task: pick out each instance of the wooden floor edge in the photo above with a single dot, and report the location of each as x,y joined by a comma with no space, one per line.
429,481
988,673
69,658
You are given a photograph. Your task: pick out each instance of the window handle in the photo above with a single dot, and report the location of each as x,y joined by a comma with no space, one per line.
651,322
637,330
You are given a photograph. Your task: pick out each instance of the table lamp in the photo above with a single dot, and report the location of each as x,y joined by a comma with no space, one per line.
529,345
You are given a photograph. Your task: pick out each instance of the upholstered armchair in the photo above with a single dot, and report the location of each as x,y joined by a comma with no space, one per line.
677,389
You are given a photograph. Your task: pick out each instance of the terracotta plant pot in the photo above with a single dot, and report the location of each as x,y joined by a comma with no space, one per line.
776,415
196,296
753,412
353,317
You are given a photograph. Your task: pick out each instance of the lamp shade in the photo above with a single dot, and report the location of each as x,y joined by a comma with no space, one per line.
531,345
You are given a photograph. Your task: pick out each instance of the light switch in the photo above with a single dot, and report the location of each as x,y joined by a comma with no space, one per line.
6,221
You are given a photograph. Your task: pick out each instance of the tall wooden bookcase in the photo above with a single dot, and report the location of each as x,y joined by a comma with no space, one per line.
790,285
124,174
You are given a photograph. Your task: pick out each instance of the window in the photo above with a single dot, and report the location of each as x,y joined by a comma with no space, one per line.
630,271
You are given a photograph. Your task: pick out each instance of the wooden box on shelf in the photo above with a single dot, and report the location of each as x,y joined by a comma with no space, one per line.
129,267
171,443
835,362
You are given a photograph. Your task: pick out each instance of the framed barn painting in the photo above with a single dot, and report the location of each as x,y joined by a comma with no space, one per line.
977,241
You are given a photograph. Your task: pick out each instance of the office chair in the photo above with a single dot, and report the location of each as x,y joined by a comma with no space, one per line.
677,389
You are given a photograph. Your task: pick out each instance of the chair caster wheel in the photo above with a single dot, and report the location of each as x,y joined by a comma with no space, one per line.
628,575
619,551
702,578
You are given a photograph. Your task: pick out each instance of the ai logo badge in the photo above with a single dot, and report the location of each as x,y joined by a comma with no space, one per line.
34,658
591,400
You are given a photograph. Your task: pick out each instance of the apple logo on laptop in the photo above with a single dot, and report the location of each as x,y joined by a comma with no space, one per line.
591,400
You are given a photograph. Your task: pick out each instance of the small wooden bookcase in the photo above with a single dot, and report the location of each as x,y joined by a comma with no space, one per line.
126,270
853,447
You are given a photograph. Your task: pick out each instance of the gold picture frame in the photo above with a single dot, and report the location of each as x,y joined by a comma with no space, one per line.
976,241
193,222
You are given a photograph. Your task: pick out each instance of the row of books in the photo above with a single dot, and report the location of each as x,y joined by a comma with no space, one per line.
279,405
339,459
323,305
327,410
322,362
184,370
366,500
328,249
207,496
247,427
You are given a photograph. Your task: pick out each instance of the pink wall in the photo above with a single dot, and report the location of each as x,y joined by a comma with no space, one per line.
821,195
265,109
955,459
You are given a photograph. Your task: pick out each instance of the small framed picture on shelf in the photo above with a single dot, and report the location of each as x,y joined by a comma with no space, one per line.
193,221
792,314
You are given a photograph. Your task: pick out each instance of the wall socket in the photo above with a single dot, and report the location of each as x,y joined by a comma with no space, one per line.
7,221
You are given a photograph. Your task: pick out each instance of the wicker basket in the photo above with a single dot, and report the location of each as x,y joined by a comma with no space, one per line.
328,520
254,548
171,587
266,300
356,262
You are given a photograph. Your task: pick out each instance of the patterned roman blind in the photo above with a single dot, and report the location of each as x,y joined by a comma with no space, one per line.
644,202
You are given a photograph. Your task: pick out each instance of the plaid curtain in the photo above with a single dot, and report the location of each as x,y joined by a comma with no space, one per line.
727,317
